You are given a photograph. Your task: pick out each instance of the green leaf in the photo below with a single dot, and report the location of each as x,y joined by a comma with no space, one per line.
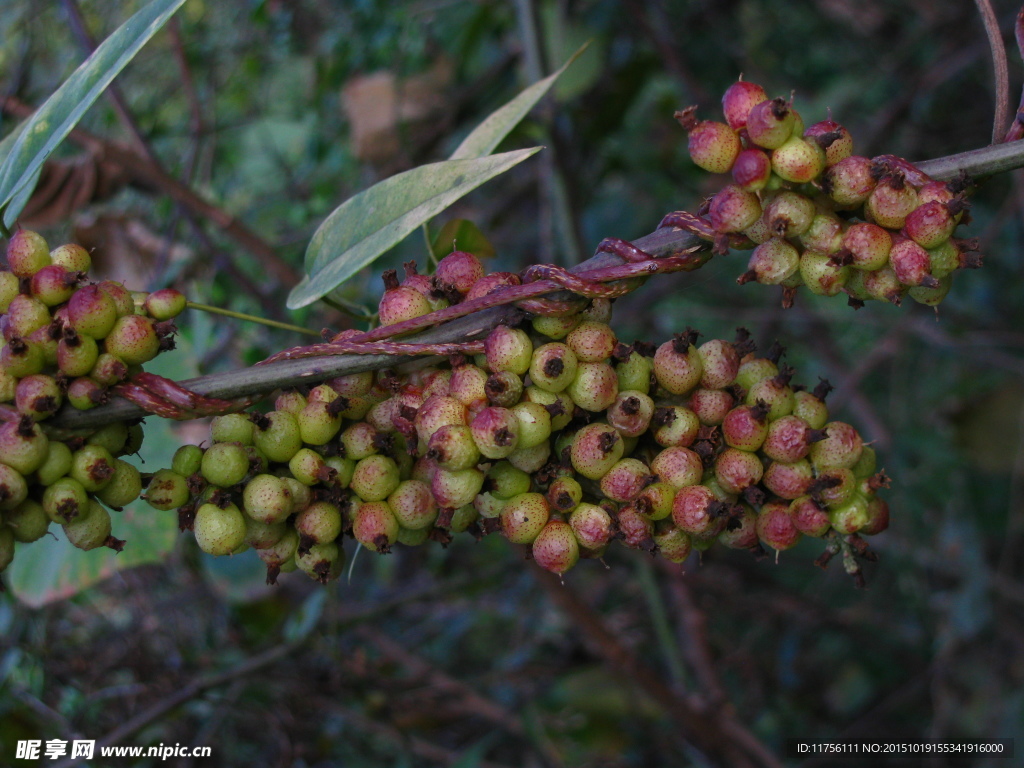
52,122
462,235
486,136
367,225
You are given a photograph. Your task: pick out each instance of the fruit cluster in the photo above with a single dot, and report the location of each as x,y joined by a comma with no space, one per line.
820,216
557,435
66,339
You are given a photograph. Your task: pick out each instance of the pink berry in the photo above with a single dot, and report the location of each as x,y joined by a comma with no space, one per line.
850,181
775,527
752,169
798,160
555,548
460,270
833,138
738,100
713,146
733,209
770,123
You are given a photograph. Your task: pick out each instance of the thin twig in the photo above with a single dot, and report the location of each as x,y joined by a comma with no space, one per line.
1016,130
1000,68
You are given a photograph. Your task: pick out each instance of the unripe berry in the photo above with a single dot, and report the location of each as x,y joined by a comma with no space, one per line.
453,448
677,364
840,449
911,263
438,411
27,521
626,478
592,342
775,527
277,435
122,297
737,101
752,169
595,449
677,466
375,478
462,518
713,146
775,393
20,358
833,138
564,494
225,464
675,425
504,389
77,354
788,481
93,467
740,530
821,274
720,363
833,487
508,349
413,505
25,315
167,490
733,209
850,516
789,439
74,258
188,459
599,310
165,304
595,386
558,404
930,224
468,385
400,303
850,181
461,270
798,160
53,285
91,312
634,373
674,545
91,530
789,214
555,548
505,481
10,286
890,202
23,446
655,500
27,253
267,498
84,393
770,123
495,432
555,327
63,501
322,562
746,427
456,488
553,366
696,511
737,470
319,523
931,296
491,283
300,494
524,517
113,437
56,465
108,370
868,245
711,405
37,396
309,468
263,535
631,413
878,518
772,263
637,531
809,517
133,339
219,531
883,285
591,525
825,234
124,486
353,385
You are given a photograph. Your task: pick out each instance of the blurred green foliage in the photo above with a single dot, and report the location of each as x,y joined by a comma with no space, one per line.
933,648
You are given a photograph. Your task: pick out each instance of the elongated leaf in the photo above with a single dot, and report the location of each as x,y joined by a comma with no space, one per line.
373,221
486,136
61,112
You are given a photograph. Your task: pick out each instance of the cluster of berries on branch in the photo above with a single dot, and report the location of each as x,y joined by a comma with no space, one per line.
819,216
68,340
552,432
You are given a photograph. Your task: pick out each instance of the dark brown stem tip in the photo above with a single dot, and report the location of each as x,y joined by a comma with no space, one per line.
824,387
747,277
687,117
607,442
788,297
759,411
826,140
663,416
113,543
855,303
930,281
622,352
780,107
743,343
410,269
631,405
390,278
784,375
